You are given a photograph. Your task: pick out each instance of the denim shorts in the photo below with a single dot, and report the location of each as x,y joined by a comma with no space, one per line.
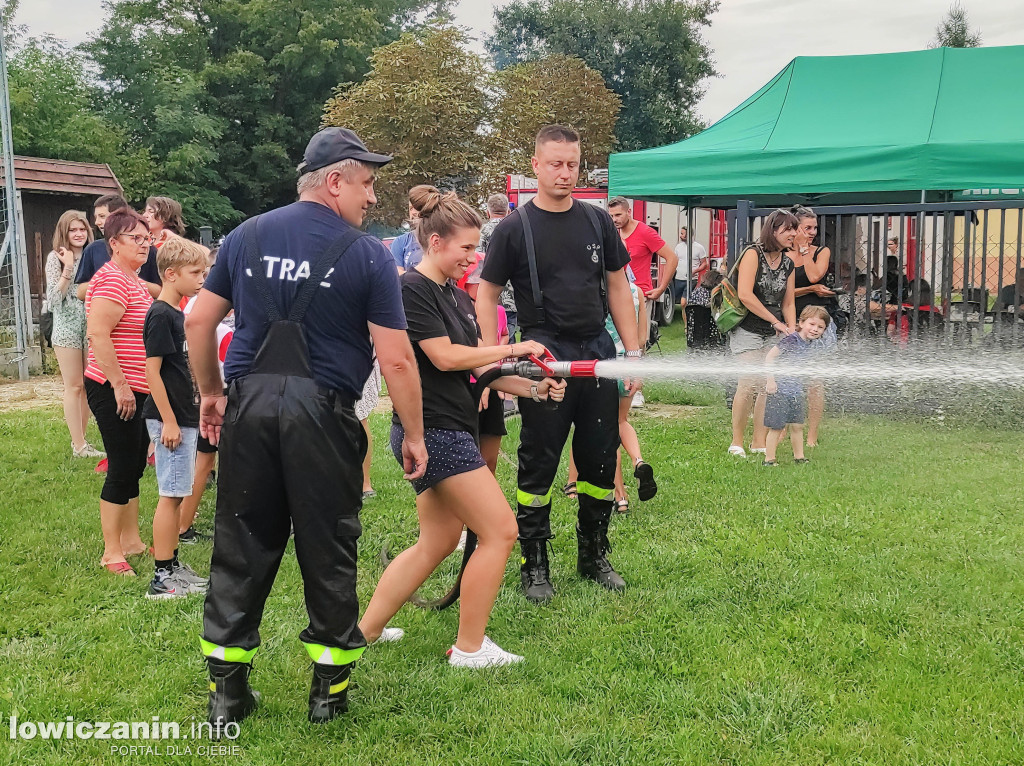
176,468
781,410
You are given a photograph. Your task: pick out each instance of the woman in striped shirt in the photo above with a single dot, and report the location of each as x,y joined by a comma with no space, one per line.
115,382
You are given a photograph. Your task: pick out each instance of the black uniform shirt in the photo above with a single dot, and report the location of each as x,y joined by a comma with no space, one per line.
569,254
438,311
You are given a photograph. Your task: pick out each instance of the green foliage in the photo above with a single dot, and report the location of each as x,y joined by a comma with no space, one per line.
954,31
423,102
226,93
650,52
554,89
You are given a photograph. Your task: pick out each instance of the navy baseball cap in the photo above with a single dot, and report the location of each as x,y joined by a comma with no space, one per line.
332,145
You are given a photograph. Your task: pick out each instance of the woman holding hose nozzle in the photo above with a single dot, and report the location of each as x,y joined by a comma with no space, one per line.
457,488
764,284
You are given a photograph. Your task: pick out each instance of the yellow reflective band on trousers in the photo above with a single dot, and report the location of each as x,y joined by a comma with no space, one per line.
598,493
533,501
227,653
331,655
339,687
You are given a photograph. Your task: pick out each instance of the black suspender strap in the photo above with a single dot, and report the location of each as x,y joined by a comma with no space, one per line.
595,221
531,259
324,263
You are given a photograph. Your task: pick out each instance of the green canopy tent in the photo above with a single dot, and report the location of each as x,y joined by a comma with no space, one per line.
850,129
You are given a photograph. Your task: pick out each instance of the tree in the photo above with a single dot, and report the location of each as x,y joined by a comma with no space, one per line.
650,52
555,89
953,31
226,93
52,114
423,102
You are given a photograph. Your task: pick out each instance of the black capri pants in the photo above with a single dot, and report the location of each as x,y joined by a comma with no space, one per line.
124,441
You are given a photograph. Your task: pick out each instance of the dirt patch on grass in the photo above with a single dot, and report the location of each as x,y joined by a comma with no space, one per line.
42,391
673,411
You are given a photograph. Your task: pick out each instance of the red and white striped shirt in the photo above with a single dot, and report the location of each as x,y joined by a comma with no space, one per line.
129,292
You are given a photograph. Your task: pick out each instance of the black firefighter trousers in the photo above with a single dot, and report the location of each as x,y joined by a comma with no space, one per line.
290,451
591,405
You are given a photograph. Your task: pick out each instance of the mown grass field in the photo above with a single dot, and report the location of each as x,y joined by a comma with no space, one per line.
865,608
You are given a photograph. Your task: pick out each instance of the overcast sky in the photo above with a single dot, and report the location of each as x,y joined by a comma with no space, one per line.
752,39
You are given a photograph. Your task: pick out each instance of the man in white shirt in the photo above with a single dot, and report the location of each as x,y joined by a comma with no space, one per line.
696,267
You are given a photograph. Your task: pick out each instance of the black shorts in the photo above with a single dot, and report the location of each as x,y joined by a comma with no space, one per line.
492,418
782,409
449,453
203,445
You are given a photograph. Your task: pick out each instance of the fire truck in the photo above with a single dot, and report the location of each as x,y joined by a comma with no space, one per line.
709,225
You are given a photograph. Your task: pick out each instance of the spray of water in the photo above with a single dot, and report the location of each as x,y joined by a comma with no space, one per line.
867,366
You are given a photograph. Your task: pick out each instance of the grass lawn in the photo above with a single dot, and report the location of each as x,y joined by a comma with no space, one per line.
864,608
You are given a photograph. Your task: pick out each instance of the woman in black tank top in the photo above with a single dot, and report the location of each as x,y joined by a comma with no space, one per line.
812,265
764,283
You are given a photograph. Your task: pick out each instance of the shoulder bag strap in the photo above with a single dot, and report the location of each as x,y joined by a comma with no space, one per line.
254,260
531,259
328,258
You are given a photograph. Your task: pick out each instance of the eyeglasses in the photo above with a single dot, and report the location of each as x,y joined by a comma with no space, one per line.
138,239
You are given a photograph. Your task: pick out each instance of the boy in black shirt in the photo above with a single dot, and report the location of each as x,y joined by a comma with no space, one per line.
171,412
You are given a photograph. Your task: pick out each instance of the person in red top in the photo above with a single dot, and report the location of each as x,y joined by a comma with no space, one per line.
115,382
643,244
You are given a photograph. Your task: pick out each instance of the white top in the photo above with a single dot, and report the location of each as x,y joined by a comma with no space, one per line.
699,254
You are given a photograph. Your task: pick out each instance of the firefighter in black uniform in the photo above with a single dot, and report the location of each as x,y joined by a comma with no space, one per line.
566,263
309,291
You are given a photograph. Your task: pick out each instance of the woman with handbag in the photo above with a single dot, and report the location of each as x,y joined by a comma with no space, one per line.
812,265
71,236
764,285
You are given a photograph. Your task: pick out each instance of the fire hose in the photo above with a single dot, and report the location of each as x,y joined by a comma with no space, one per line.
533,368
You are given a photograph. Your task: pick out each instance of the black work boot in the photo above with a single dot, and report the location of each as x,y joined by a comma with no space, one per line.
534,571
231,697
592,562
328,696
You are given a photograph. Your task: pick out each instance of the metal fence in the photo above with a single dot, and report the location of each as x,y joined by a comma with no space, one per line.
15,309
957,275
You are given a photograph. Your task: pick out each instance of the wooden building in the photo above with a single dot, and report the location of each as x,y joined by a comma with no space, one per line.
47,188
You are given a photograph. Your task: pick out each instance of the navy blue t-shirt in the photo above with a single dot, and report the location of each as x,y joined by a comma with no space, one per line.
97,254
793,352
362,287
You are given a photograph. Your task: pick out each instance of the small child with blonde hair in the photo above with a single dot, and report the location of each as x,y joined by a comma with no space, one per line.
785,404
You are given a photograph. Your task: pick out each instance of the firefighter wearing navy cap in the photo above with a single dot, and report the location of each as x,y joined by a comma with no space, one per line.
309,292
566,263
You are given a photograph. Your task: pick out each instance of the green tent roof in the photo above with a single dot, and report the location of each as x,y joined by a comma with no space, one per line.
835,129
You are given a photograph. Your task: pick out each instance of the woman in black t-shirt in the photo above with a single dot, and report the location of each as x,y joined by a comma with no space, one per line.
457,488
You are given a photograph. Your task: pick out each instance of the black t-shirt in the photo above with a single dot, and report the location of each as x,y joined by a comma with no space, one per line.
97,254
770,288
569,254
437,311
164,336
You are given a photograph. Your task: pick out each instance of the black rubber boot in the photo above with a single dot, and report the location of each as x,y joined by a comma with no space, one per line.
328,695
534,571
592,562
231,697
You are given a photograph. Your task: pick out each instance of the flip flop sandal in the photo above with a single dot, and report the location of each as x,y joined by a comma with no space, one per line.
122,568
569,490
802,460
622,506
647,487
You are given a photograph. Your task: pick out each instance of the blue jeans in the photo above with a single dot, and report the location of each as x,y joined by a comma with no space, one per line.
175,468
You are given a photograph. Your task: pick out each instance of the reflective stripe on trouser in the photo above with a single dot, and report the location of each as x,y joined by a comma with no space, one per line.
592,407
226,653
290,454
329,655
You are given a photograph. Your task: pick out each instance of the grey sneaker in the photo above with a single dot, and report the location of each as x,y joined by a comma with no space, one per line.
164,585
188,578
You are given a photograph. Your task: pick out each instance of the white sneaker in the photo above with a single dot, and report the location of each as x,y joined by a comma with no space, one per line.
390,635
490,655
462,541
87,450
737,451
759,450
638,400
